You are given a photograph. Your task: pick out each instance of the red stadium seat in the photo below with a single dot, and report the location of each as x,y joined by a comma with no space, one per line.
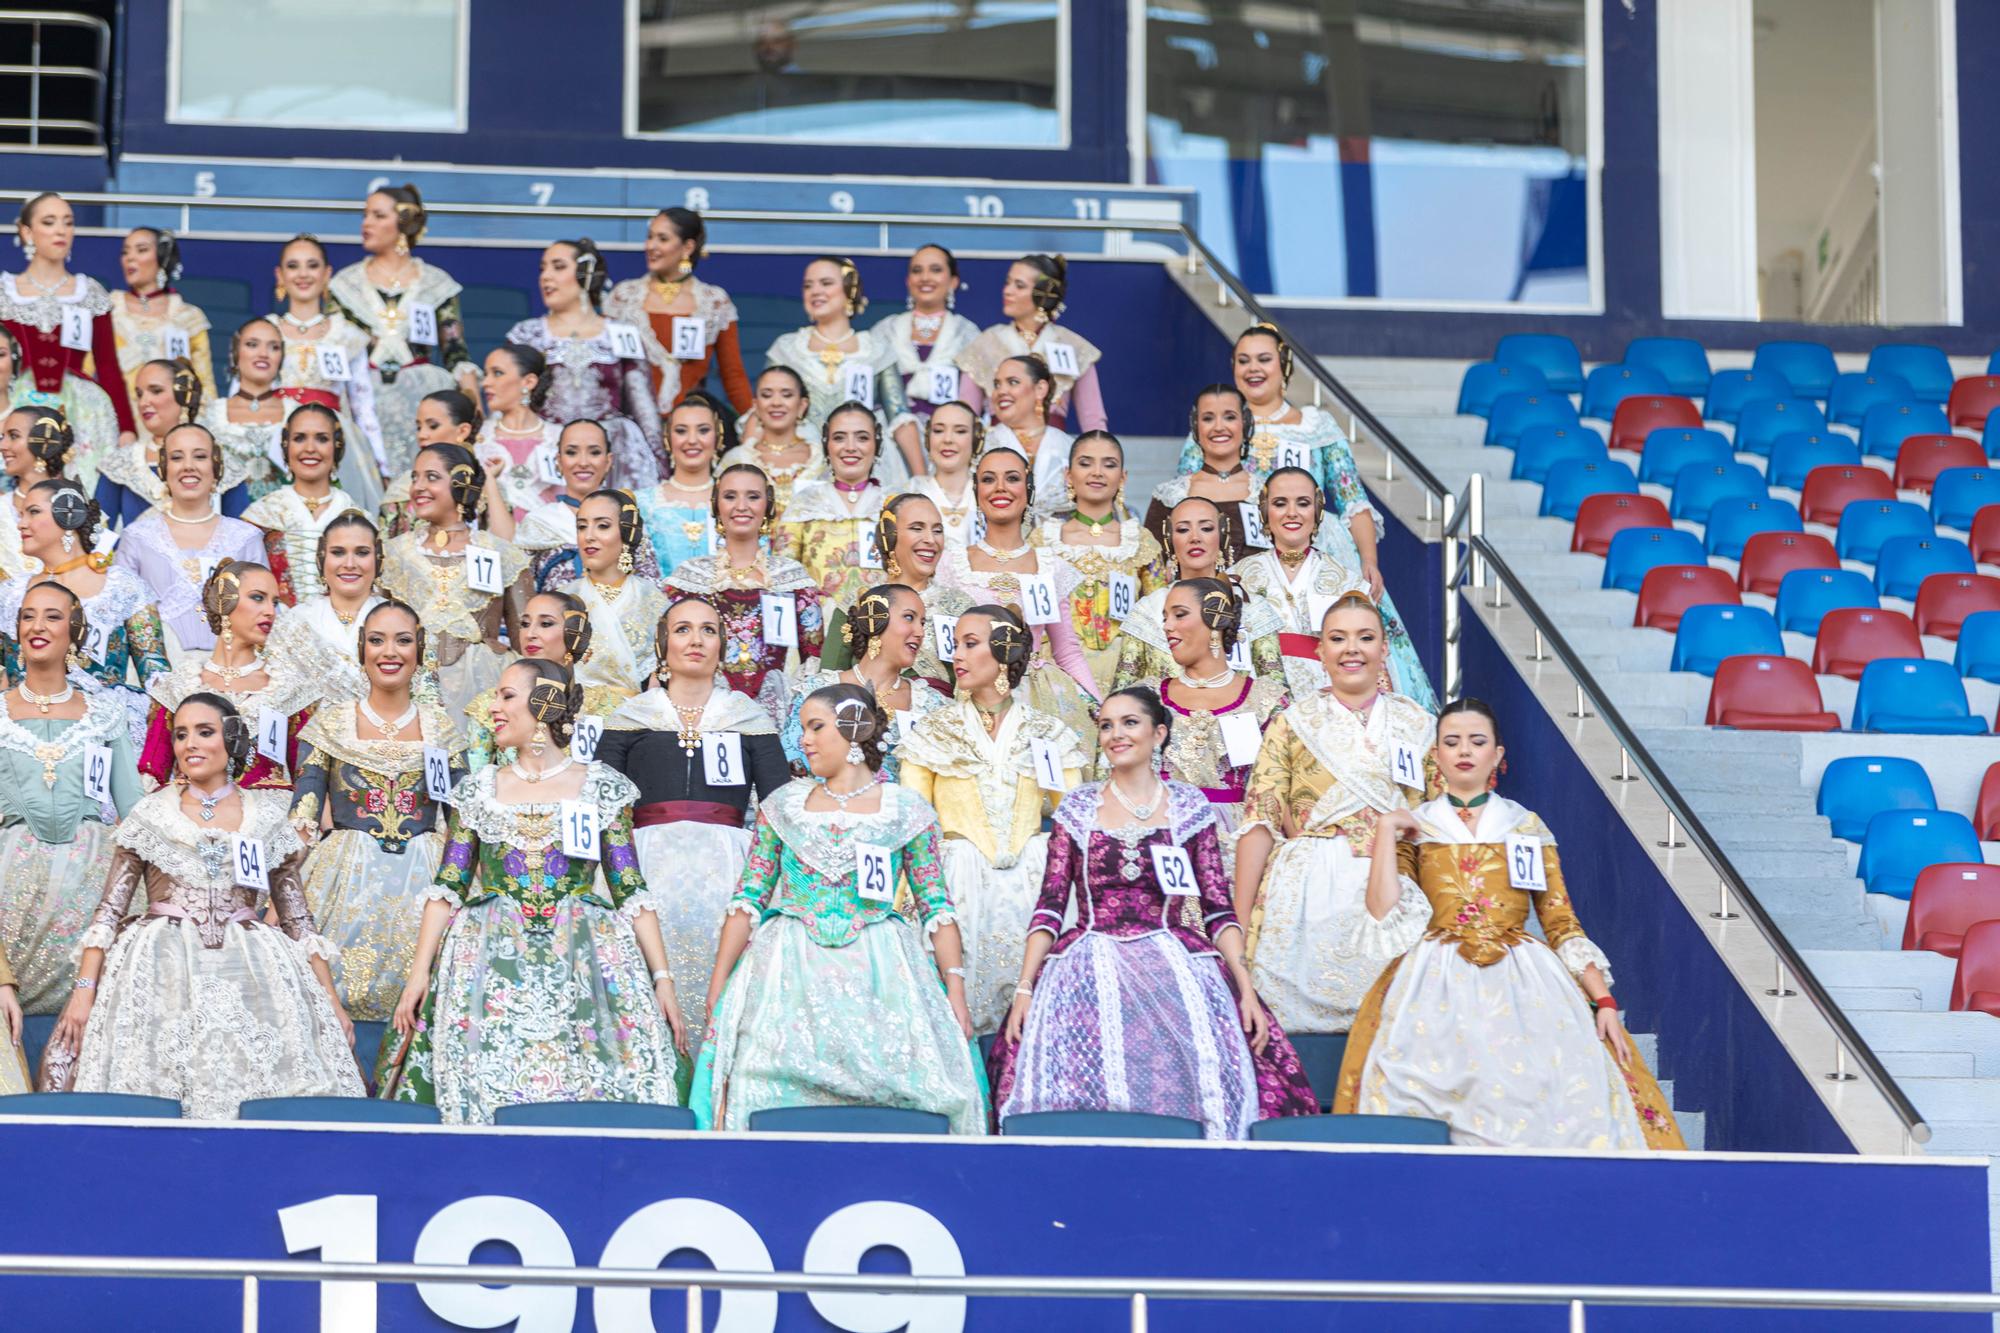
1985,541
1853,636
1972,398
1641,414
1920,458
1668,590
1945,600
1831,487
1977,984
1987,817
1949,899
1769,556
1759,693
1599,518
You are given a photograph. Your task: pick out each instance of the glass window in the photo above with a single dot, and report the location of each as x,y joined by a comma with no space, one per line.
1412,150
982,73
320,66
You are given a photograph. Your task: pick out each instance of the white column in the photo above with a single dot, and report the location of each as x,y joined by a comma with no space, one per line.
1916,82
1708,160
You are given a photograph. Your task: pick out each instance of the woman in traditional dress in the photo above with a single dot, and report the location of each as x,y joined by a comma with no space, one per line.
365,808
776,446
274,678
992,767
1481,1024
884,636
678,511
547,533
540,989
36,444
1297,577
149,320
297,513
992,571
345,562
1022,390
698,752
927,337
590,373
909,543
249,423
741,579
1100,538
1196,548
14,1076
676,241
173,547
1220,422
168,395
1146,1003
625,608
122,646
516,444
829,527
830,949
326,356
1032,299
953,437
200,1000
65,756
468,585
841,364
445,417
409,311
61,322
555,627
1331,765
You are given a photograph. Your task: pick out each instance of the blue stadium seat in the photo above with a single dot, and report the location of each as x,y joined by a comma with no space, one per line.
1516,412
1806,595
1914,696
1794,455
1762,423
1857,787
1707,634
489,311
1409,1129
1320,1054
36,1029
126,1104
229,304
595,1115
1989,437
1903,563
338,1111
1734,520
1569,481
1485,382
1672,448
1100,1125
1866,524
1900,844
1978,655
1551,353
1636,550
1807,366
1542,447
1925,367
1607,386
1729,391
368,1043
1698,486
848,1120
1961,492
1885,426
1681,360
1856,391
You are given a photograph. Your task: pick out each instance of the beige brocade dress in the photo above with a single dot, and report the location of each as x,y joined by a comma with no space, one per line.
462,639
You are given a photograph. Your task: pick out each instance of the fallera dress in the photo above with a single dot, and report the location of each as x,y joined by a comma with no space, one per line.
751,665
86,384
123,650
940,600
1137,556
463,643
174,574
1301,599
924,700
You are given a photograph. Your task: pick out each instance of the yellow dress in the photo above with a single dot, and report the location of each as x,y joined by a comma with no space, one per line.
463,648
1484,1026
1137,556
822,533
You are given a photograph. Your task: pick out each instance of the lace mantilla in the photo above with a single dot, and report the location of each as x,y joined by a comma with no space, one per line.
104,718
1148,621
360,297
333,731
823,841
818,501
1188,812
181,848
726,710
703,575
953,337
298,663
477,808
944,742
45,312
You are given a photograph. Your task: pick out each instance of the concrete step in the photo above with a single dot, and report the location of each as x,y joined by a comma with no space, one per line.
1971,1038
1968,1101
1926,975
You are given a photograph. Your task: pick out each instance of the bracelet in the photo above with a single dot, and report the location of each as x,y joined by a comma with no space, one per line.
661,974
1606,1002
85,983
958,972
1022,992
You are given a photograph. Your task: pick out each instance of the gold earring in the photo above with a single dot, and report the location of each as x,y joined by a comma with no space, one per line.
625,561
1003,684
541,740
1215,643
228,638
402,245
889,567
875,647
764,528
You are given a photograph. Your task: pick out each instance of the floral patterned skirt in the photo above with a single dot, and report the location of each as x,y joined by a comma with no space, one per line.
556,1013
369,902
865,1024
692,870
48,891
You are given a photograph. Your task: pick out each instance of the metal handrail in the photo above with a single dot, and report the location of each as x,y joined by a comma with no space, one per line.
1137,1292
35,71
1681,815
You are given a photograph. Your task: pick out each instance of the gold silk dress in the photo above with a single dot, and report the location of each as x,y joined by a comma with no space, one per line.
1484,1026
463,648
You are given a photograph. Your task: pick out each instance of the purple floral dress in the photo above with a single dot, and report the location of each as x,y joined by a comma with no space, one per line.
1134,1009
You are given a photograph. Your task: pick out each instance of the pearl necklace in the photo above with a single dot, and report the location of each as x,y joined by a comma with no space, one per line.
1140,812
1216,682
690,732
228,675
387,728
545,774
303,324
46,701
1024,549
172,517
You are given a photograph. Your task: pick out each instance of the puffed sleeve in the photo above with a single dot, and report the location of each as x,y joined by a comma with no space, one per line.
636,383
1343,483
1065,860
1153,572
288,900
1396,934
620,862
1218,908
925,869
919,780
1559,921
760,872
121,885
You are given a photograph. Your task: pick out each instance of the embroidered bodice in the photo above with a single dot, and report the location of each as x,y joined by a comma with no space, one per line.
623,632
384,315
174,575
127,637
587,378
436,584
1113,880
953,337
737,598
1196,752
286,513
982,356
373,785
985,787
42,769
1299,599
642,740
1324,770
251,450
516,851
826,376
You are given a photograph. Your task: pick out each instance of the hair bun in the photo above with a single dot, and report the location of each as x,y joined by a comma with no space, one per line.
70,508
854,720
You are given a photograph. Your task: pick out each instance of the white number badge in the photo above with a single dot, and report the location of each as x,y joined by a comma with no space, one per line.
1124,592
1048,766
690,338
1176,872
1241,739
94,640
1406,765
781,624
1038,599
333,362
625,343
946,628
423,323
857,384
271,735
583,740
437,772
579,830
873,880
1524,863
1060,358
1253,525
944,384
75,328
97,773
177,344
722,759
249,857
482,569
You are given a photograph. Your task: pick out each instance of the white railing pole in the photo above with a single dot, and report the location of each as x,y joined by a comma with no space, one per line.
249,1305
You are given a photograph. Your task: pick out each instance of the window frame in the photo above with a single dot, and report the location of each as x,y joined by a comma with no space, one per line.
1064,108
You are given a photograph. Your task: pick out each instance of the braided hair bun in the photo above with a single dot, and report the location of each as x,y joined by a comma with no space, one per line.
1009,639
1219,605
858,718
555,700
239,741
51,439
224,590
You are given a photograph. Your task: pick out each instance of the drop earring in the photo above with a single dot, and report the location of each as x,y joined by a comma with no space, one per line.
402,245
69,542
854,755
875,647
625,561
27,250
1215,644
541,740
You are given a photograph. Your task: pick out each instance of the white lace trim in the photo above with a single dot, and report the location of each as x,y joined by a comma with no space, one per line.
1578,953
645,900
314,945
434,893
1395,934
937,921
99,936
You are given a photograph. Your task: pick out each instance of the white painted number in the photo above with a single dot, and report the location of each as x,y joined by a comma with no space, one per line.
781,618
543,191
250,872
579,830
204,185
947,637
1088,209
1241,739
1048,766
873,878
1406,766
437,772
857,384
457,1229
722,759
76,328
840,201
423,323
342,1227
583,741
625,343
1176,872
985,206
333,362
944,384
97,773
839,1243
271,734
690,338
1524,863
1038,599
718,1234
1124,592
696,198
482,569
1061,358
